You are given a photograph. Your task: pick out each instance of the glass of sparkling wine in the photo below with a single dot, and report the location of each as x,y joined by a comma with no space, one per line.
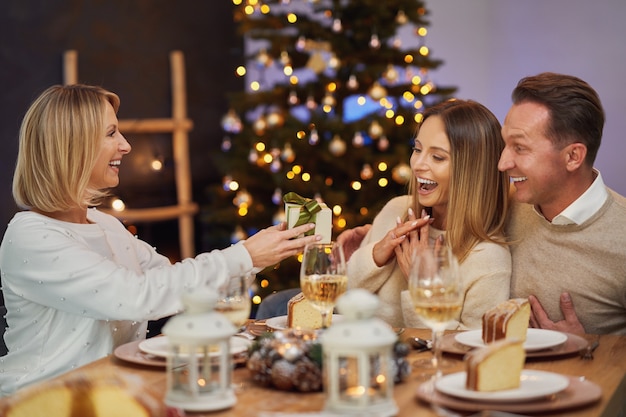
436,292
234,301
323,277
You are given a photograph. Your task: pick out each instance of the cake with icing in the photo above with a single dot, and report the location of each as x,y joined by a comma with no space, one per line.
496,366
507,320
302,314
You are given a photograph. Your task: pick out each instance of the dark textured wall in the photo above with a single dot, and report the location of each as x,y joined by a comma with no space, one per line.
124,46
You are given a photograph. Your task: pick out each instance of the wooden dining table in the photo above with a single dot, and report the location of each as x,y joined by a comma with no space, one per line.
606,371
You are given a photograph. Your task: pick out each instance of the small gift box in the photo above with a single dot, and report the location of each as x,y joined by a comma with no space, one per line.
300,210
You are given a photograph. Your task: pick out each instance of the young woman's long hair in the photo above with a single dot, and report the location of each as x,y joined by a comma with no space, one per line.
478,200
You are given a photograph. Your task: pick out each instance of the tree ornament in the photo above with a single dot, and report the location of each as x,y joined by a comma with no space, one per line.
288,155
263,58
358,140
231,122
337,27
301,44
367,172
401,17
314,137
310,103
352,83
293,98
401,173
253,156
227,143
383,143
337,147
284,58
277,197
374,41
242,197
260,125
329,100
391,74
275,119
375,130
377,91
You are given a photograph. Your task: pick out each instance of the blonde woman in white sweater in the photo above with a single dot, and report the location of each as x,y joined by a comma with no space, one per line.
461,196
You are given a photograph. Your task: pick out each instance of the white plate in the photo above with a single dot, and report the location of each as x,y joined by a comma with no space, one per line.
533,385
536,339
280,322
158,346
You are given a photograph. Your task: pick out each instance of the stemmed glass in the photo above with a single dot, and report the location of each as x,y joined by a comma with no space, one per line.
234,301
436,292
323,277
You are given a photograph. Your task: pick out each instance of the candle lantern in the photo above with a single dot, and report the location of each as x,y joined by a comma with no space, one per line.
358,352
199,364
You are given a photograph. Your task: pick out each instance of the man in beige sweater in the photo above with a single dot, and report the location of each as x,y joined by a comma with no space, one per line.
568,229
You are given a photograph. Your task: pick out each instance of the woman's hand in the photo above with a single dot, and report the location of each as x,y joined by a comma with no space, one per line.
404,236
273,244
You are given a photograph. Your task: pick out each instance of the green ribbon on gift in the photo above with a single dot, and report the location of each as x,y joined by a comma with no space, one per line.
308,208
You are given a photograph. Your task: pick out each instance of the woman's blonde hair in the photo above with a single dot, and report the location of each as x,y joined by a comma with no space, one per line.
59,142
478,200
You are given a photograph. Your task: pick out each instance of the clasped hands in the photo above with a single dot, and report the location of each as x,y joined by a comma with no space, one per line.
402,241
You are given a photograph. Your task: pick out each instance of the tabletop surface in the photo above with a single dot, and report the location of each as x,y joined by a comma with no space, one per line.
607,370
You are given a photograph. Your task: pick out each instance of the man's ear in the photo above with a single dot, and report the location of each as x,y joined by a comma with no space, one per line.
575,155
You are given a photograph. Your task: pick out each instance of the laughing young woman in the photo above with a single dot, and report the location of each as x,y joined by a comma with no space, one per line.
461,196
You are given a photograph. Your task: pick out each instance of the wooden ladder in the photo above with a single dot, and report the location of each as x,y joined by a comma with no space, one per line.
179,126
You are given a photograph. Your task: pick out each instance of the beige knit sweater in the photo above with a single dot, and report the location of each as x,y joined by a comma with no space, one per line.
588,260
486,275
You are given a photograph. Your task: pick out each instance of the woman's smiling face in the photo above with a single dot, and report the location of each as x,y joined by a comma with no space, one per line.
105,173
430,162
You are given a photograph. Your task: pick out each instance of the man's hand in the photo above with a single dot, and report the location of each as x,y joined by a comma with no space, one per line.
351,239
570,323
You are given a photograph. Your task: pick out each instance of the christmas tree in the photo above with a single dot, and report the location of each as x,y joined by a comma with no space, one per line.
333,93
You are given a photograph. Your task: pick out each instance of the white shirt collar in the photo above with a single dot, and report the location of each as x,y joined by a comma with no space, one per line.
584,206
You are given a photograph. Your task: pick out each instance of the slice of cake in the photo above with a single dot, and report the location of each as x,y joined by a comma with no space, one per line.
302,314
90,394
507,320
495,367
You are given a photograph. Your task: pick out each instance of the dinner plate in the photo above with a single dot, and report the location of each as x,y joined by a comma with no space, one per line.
572,345
130,352
536,339
280,322
159,346
578,394
533,385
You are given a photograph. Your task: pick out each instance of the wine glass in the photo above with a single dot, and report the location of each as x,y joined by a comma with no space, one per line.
234,301
323,277
436,292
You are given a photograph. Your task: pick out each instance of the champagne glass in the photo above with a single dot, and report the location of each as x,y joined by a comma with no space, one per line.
234,301
323,277
436,292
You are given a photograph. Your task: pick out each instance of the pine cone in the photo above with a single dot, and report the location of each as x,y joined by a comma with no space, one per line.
283,374
307,375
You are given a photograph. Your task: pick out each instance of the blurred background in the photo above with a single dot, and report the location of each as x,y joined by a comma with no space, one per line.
480,49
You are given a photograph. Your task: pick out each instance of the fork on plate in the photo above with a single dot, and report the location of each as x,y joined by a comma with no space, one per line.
587,352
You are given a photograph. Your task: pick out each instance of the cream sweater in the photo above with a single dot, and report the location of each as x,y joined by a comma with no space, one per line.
486,275
588,260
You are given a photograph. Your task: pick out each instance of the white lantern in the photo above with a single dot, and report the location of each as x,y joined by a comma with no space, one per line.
199,364
358,354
